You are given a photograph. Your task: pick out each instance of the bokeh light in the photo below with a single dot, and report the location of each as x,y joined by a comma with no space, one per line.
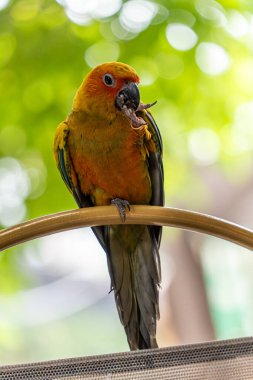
237,24
136,15
120,32
4,4
14,189
204,145
82,12
106,8
37,173
211,58
103,51
25,10
78,18
80,7
181,37
212,11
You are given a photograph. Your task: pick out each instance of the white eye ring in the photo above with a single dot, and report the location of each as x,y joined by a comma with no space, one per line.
109,80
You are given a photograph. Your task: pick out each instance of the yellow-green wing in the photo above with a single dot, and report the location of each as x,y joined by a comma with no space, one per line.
65,166
69,176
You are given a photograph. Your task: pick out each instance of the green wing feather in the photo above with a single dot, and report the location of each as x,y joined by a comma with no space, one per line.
66,168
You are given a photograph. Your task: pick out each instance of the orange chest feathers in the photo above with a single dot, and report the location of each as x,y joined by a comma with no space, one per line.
110,162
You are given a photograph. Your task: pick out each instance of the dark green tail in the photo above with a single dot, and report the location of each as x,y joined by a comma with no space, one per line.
134,266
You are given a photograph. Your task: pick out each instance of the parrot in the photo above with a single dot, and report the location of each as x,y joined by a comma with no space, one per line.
109,151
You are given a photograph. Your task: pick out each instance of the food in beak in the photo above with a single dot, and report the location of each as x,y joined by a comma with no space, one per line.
128,101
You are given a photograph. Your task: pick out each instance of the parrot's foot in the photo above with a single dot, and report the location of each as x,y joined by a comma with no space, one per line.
121,205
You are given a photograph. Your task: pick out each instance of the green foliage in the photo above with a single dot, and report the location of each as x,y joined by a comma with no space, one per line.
42,64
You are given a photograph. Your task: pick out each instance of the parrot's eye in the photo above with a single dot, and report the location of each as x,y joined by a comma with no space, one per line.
109,80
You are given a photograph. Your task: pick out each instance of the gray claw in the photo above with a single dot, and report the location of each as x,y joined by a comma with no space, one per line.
121,205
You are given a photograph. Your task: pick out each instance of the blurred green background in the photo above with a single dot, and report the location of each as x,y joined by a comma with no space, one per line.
196,59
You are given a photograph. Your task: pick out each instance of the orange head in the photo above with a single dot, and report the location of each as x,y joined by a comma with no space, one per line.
107,88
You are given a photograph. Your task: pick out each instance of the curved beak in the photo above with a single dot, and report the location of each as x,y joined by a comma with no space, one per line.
128,96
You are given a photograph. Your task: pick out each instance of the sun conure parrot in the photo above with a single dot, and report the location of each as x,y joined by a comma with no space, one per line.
109,151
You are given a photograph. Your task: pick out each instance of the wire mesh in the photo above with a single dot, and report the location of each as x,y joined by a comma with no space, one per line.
231,359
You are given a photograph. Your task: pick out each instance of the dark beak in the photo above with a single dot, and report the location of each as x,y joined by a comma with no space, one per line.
128,96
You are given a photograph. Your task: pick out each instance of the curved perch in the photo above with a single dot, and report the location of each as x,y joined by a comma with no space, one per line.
106,215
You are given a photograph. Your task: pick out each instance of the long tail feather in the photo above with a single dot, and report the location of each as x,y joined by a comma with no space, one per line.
134,266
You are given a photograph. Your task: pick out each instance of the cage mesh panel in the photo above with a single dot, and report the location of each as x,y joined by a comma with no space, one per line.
231,359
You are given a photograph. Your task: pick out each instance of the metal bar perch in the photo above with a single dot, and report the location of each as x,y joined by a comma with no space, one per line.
108,215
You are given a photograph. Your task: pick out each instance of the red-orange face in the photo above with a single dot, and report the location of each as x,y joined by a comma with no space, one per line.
113,84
